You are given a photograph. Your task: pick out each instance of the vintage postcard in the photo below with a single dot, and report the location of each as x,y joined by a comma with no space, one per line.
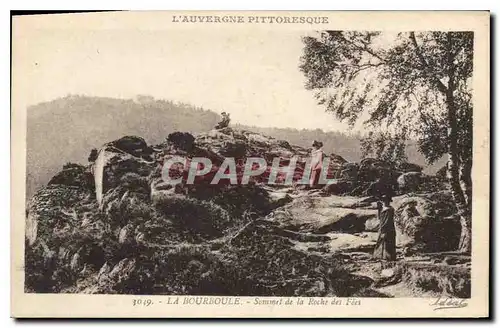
251,164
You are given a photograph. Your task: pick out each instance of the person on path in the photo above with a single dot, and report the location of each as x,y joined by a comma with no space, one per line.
385,248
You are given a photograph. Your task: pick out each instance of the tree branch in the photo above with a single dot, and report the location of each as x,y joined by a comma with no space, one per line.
365,49
426,67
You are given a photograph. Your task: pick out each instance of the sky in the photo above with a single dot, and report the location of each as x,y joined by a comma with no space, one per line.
252,75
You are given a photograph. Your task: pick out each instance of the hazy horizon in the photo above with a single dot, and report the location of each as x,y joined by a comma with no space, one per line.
254,75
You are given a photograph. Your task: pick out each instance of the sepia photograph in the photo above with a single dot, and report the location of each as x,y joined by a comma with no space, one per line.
251,161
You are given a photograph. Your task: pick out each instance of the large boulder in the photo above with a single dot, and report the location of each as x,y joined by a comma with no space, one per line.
370,177
133,145
411,182
320,215
428,222
349,171
408,167
338,187
239,144
112,166
54,207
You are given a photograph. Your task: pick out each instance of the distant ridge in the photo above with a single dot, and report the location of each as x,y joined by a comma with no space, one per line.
65,129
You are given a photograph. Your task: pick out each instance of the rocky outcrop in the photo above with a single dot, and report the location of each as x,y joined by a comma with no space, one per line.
374,177
429,221
115,226
133,145
425,222
118,158
228,142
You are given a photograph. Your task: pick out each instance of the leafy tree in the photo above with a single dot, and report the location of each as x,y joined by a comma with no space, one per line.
412,85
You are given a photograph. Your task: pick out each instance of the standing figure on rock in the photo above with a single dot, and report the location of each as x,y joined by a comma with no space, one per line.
386,243
317,156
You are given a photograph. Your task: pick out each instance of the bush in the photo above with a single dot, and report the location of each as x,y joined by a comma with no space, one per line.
45,273
234,149
238,199
181,270
182,140
191,270
202,220
74,175
439,279
132,209
135,182
93,155
267,264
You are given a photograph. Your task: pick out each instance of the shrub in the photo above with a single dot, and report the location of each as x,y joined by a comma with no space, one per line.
132,209
184,269
45,273
182,140
234,149
267,264
439,279
238,199
93,155
202,219
73,175
135,182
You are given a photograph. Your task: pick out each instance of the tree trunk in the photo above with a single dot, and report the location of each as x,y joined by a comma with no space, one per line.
459,196
455,167
465,244
466,180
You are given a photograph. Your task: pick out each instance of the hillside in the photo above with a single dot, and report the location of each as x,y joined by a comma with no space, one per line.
66,129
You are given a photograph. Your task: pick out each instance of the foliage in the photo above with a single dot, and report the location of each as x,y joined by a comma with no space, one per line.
438,279
201,220
385,147
394,83
238,199
135,182
181,140
44,273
